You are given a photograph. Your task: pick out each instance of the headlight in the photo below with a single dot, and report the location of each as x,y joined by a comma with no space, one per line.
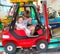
6,36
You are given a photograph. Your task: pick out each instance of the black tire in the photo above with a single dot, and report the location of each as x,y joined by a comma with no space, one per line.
10,48
42,46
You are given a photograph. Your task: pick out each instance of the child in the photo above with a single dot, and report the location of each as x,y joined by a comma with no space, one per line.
20,25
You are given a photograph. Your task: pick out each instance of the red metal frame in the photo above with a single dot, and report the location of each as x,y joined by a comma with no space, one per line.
46,20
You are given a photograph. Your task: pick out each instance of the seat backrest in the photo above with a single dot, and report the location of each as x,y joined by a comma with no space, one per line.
40,31
20,32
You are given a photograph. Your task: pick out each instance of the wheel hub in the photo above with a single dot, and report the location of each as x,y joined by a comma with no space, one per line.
9,48
42,45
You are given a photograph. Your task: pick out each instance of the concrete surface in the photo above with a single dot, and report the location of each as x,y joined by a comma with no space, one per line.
50,51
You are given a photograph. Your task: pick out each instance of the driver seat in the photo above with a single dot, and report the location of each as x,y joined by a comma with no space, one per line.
20,32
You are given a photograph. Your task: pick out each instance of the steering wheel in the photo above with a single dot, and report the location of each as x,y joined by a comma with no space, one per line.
38,26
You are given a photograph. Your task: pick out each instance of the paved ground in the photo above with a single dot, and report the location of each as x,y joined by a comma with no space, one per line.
51,51
37,53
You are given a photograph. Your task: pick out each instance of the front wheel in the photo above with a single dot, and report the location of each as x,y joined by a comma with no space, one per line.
42,46
10,48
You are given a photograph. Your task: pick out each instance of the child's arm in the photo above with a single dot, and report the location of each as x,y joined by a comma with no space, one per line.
20,28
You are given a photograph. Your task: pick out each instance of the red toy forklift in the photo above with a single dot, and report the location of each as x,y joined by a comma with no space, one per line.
13,39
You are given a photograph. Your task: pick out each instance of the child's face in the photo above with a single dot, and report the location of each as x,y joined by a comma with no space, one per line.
20,20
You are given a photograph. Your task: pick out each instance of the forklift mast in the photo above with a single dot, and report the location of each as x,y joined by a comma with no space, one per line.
45,13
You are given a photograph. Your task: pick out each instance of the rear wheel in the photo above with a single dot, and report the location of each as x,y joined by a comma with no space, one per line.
42,46
10,48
